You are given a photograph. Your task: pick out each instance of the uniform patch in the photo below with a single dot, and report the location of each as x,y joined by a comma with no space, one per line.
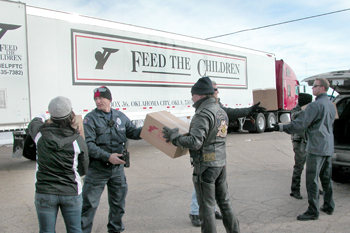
86,120
222,124
119,122
209,157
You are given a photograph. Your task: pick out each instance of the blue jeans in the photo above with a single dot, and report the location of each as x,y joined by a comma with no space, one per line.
47,208
194,204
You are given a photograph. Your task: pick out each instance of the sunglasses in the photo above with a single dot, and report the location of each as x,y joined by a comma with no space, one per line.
100,89
215,89
317,86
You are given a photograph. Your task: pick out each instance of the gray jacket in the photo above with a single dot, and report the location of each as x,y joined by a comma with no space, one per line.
207,136
317,120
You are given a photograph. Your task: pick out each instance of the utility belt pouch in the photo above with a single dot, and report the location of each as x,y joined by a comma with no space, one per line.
126,156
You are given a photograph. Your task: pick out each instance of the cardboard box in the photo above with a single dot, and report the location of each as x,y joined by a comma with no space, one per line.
267,98
152,132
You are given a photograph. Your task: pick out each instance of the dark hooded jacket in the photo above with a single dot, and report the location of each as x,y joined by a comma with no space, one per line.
300,136
304,99
62,158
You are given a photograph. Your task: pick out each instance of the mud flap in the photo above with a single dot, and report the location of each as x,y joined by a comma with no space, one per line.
18,143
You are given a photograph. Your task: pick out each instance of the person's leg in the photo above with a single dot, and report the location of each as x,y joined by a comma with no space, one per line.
117,190
194,214
46,208
71,212
223,199
299,158
207,204
313,166
327,186
194,203
94,183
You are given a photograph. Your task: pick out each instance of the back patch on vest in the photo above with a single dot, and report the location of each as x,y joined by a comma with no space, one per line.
209,157
222,124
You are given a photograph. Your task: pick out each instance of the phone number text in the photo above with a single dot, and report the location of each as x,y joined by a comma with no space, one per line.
11,72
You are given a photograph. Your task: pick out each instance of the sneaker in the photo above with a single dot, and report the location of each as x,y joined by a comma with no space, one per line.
297,196
195,220
306,217
218,215
329,212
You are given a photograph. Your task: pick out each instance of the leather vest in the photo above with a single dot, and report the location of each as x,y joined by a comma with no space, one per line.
213,151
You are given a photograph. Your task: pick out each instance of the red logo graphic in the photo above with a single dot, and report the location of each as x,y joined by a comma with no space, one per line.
151,128
156,132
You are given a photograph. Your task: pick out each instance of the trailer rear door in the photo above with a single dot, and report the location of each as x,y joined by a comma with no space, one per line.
14,91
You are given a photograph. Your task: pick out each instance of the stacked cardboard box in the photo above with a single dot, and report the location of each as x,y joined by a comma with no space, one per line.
267,98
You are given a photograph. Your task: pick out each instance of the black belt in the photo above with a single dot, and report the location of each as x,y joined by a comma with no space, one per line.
104,164
109,164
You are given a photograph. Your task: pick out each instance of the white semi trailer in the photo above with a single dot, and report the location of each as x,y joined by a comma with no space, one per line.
46,53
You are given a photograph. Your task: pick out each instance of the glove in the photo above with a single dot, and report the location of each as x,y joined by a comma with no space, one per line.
257,108
276,127
170,134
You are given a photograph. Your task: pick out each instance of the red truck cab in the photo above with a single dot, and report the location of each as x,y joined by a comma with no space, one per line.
287,86
282,101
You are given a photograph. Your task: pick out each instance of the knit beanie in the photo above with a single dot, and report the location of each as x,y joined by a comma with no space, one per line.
304,99
203,87
60,108
103,92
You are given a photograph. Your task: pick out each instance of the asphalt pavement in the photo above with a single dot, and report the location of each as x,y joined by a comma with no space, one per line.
259,168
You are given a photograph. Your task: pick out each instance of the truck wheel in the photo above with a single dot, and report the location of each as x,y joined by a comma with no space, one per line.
270,119
260,123
338,177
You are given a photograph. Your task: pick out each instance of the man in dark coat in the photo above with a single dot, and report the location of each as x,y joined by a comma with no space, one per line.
233,115
206,141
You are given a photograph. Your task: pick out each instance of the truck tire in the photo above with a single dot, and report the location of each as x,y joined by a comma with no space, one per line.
270,119
260,124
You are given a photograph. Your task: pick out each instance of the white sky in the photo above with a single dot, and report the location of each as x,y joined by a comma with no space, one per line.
310,47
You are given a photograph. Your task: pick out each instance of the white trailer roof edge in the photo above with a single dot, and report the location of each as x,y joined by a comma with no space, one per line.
72,17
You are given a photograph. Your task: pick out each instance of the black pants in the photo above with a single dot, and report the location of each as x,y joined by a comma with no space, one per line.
319,166
299,159
211,184
94,183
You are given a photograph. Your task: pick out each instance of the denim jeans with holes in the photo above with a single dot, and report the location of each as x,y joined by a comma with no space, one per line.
47,206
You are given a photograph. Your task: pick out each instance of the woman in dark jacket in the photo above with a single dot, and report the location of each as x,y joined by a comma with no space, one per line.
62,158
